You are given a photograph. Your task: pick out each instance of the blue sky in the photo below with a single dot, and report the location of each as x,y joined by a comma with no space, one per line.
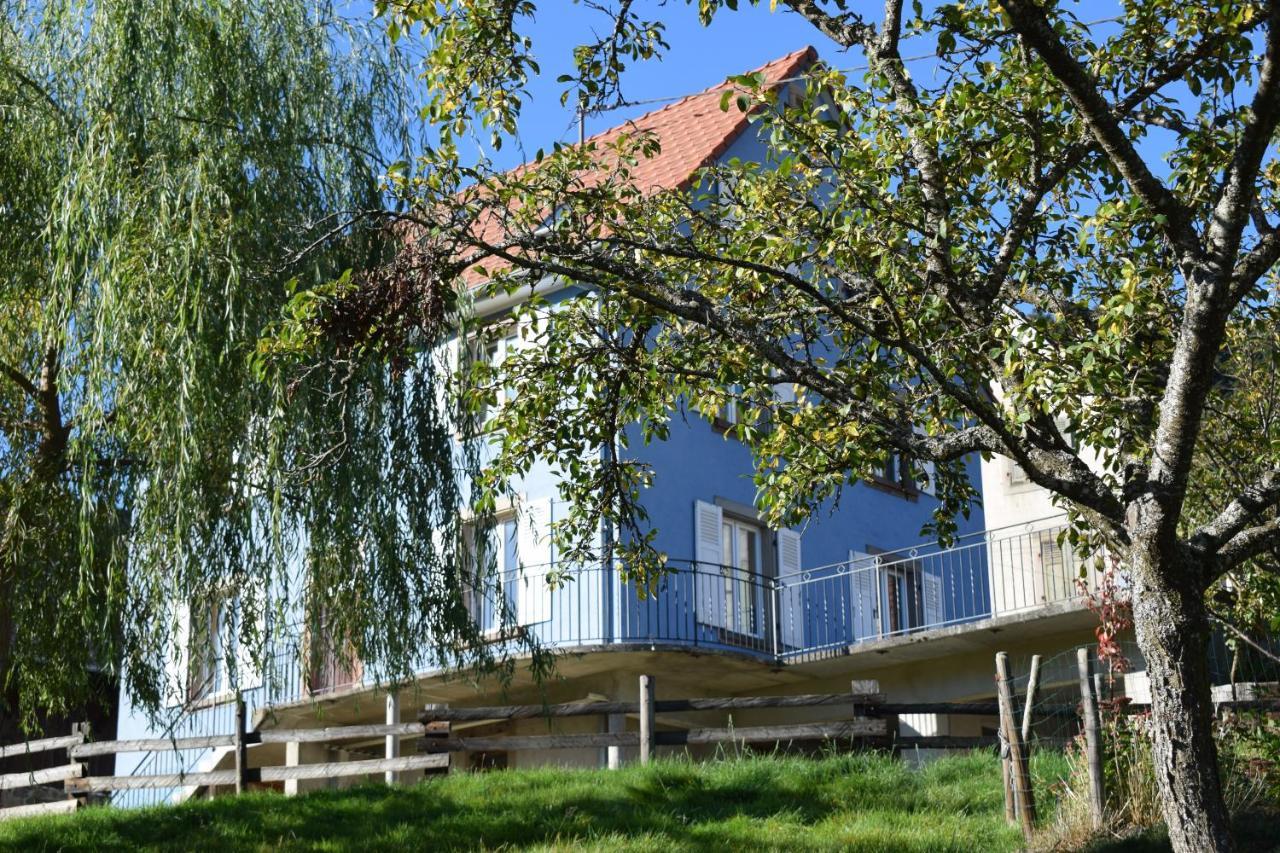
699,57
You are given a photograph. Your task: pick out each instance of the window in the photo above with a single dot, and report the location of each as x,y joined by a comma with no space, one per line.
736,410
207,660
894,595
733,411
904,597
216,660
490,585
492,350
331,664
1056,563
894,471
889,470
741,547
507,578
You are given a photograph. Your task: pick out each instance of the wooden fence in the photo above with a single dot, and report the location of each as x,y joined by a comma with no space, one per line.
860,709
863,716
33,779
862,702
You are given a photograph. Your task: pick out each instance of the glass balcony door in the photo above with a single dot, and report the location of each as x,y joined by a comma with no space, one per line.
743,592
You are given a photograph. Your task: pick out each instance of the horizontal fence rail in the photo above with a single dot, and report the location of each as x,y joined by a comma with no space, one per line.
37,783
857,697
328,770
46,745
31,778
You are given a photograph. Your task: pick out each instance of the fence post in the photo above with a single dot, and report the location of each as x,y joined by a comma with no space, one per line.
1092,737
1033,683
646,719
85,733
1025,799
393,741
440,729
1006,773
241,749
292,758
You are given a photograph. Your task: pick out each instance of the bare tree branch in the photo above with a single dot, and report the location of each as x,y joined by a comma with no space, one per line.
847,30
18,378
1031,24
1255,498
1249,543
1232,211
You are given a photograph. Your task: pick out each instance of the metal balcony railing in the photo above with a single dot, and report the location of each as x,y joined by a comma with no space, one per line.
807,615
831,608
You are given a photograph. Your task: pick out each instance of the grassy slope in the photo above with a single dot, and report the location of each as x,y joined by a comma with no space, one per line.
861,802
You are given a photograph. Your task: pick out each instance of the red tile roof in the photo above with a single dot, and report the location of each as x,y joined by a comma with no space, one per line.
692,133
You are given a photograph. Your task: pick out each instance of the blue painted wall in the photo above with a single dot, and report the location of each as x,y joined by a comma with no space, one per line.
699,463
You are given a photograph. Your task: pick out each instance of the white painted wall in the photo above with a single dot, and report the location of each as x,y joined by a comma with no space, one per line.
1028,567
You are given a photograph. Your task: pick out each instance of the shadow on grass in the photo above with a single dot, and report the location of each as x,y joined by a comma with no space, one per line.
847,802
1256,831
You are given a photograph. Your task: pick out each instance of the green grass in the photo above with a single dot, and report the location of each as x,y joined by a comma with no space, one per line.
851,802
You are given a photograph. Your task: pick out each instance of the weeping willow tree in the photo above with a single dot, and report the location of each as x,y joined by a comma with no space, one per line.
171,174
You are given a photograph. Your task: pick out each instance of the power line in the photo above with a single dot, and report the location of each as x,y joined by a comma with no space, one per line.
642,102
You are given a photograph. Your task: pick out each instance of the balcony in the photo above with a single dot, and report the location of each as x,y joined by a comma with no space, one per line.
816,615
805,616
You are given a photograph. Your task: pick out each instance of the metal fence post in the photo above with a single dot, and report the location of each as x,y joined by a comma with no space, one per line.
775,623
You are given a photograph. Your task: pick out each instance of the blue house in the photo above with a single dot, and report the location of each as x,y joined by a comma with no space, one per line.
745,609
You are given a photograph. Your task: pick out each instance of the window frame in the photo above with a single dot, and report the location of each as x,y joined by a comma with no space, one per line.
903,484
743,588
504,335
507,576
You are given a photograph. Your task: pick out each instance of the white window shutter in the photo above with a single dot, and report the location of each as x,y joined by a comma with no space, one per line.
932,584
865,586
792,610
533,551
709,589
788,552
708,520
177,660
924,725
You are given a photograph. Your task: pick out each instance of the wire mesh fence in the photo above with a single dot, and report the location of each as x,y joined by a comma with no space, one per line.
1239,669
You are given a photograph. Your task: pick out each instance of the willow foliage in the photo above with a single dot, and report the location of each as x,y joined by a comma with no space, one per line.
169,171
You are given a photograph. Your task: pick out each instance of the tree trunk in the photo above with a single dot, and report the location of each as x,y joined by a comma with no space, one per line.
1172,625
